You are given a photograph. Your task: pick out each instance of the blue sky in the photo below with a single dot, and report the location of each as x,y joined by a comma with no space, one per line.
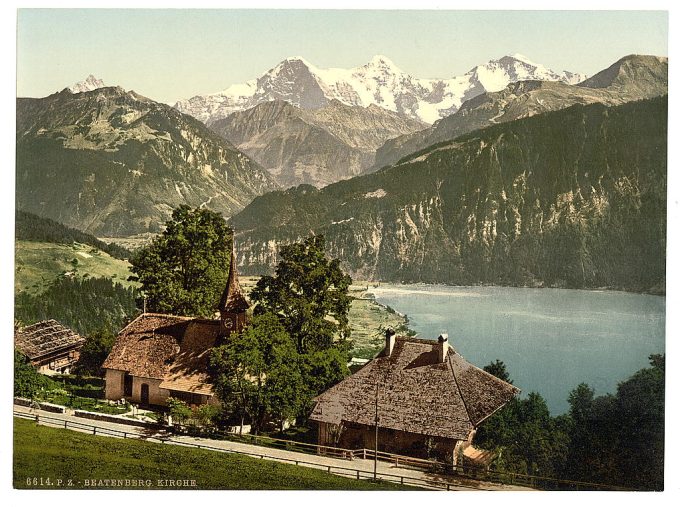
172,54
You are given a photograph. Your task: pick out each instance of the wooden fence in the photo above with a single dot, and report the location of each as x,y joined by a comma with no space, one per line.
331,469
430,466
457,473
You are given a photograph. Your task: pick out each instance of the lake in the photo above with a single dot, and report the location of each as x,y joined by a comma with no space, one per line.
550,339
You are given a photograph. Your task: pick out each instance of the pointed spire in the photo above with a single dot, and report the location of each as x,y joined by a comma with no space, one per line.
233,300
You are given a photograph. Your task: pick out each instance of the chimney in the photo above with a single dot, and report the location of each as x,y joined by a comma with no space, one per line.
390,340
442,346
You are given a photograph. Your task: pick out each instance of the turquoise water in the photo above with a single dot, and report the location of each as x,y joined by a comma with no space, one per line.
550,339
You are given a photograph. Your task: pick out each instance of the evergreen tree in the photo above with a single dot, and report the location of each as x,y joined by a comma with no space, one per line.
86,305
498,370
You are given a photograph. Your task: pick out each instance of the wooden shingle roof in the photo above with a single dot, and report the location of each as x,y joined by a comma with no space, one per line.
45,338
233,300
172,349
416,392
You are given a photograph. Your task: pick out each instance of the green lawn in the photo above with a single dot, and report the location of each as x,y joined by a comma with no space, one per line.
58,454
37,264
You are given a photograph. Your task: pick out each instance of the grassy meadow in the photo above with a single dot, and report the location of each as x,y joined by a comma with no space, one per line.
37,264
58,454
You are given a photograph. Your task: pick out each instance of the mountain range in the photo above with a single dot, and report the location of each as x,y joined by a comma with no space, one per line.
379,82
571,198
317,146
114,163
539,183
633,77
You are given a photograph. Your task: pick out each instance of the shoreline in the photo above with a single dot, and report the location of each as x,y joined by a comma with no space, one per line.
536,287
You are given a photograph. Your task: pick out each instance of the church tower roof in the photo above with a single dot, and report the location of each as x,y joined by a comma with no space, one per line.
233,300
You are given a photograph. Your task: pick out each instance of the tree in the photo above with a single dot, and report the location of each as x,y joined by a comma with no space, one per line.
257,373
179,410
321,370
639,413
309,295
94,352
619,439
498,370
523,433
86,305
27,381
184,270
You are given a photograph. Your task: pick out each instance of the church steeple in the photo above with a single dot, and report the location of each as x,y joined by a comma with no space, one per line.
233,304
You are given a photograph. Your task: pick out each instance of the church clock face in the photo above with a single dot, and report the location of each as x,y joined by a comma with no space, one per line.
229,324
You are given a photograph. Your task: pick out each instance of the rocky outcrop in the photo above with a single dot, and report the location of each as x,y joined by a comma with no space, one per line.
573,198
316,147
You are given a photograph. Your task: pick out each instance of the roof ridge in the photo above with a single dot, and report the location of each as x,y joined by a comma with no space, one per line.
460,393
152,314
412,339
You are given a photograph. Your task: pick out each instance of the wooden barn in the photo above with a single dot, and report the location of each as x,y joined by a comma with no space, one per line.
428,399
50,346
158,356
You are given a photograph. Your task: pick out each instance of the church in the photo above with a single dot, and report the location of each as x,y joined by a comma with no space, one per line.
158,356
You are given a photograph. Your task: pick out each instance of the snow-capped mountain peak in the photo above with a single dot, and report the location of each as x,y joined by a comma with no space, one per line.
87,85
379,82
382,61
522,58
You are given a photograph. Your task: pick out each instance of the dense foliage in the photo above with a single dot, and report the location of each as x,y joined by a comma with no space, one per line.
296,345
612,439
184,270
32,227
86,305
93,353
178,410
309,294
27,381
258,373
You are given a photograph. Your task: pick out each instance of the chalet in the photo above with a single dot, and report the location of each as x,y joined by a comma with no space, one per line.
428,401
158,356
49,346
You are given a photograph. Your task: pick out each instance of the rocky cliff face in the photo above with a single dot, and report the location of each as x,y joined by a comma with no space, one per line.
573,198
632,78
316,147
114,163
